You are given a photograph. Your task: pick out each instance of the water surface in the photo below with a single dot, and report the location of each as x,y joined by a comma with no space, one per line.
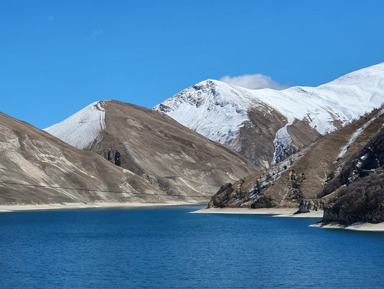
170,248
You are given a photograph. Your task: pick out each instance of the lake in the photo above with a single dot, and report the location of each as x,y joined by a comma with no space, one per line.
171,248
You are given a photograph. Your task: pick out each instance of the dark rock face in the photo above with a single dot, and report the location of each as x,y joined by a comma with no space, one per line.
345,218
228,197
310,205
361,201
360,195
222,195
113,156
263,202
370,157
117,159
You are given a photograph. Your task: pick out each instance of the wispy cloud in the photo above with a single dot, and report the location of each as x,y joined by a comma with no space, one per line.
254,81
51,18
96,33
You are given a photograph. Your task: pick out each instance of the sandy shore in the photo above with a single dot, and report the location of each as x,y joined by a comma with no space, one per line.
290,212
100,205
368,227
276,212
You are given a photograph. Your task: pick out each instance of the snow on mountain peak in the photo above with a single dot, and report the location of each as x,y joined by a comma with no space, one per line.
218,110
372,73
83,128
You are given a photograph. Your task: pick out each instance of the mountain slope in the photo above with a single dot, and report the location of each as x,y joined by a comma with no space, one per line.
356,192
168,155
300,178
296,117
37,168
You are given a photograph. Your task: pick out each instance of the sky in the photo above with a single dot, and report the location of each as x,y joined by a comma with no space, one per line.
56,57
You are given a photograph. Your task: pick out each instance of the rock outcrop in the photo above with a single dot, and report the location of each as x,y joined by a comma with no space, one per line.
310,205
356,193
361,201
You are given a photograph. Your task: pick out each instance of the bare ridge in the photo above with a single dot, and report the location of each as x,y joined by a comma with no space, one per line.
168,155
38,168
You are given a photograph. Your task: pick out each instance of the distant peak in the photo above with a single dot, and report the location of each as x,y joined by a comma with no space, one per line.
98,105
213,84
360,77
207,82
82,128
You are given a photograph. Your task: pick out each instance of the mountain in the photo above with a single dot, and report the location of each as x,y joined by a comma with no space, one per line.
308,179
168,155
38,168
267,125
356,190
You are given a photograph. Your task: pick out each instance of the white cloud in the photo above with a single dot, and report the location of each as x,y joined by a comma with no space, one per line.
254,81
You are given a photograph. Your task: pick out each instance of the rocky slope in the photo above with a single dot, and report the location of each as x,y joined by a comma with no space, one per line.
37,168
356,191
267,125
360,201
169,156
301,178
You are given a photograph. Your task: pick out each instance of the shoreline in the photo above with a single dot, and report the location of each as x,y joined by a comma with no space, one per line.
290,213
98,205
276,212
363,227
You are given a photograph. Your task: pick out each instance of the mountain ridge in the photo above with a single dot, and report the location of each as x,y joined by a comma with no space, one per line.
220,111
165,153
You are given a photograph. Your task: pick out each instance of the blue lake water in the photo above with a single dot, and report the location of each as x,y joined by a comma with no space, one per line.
170,248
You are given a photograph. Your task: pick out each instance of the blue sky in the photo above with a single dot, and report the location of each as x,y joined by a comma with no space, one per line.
56,57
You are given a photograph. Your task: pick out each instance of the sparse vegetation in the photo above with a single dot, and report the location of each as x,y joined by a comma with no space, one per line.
258,188
371,157
360,201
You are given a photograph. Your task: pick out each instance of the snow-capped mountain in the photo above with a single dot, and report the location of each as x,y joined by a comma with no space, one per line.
165,153
244,119
83,128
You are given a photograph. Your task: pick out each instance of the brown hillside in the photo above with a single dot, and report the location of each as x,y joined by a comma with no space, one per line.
168,155
37,168
305,178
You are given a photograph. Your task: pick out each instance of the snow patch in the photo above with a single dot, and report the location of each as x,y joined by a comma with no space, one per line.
83,128
282,144
357,133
